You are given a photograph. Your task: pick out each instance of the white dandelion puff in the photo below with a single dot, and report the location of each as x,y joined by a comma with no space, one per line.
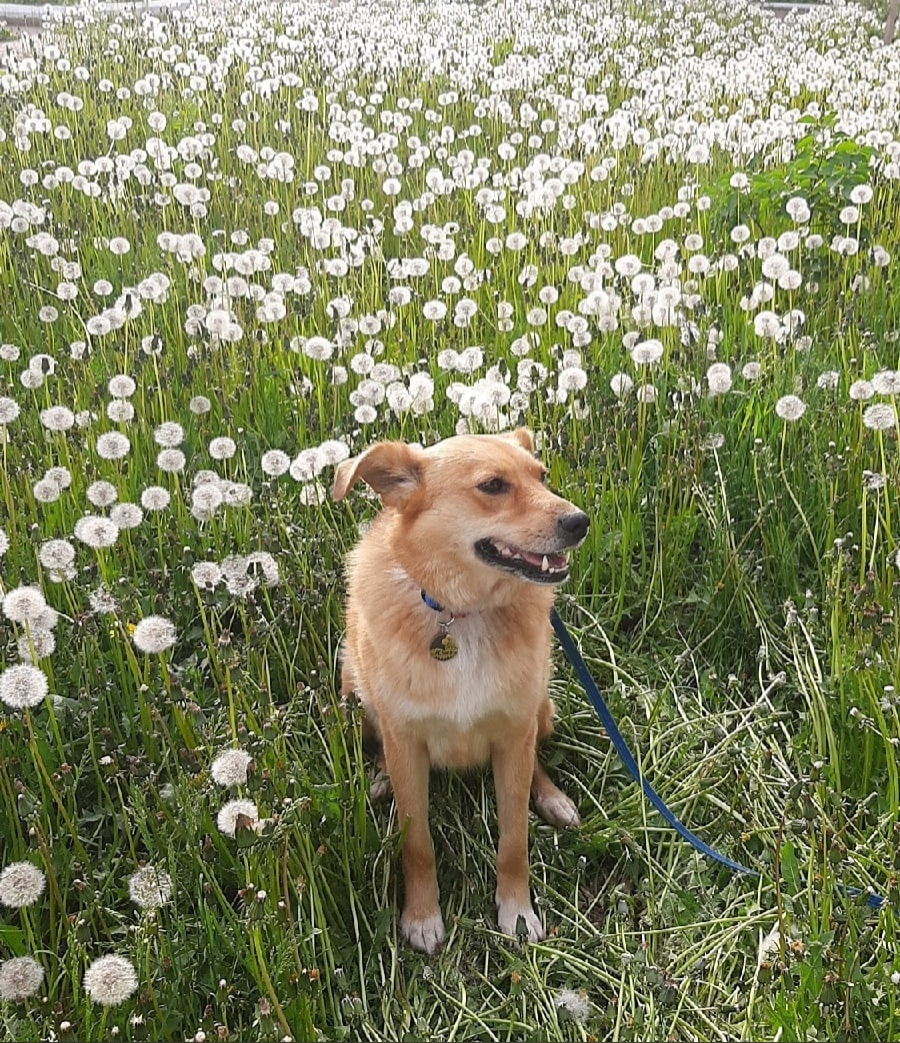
113,446
56,555
718,376
24,604
647,352
110,980
171,460
21,884
230,768
860,390
169,435
574,1005
20,978
206,575
275,462
790,408
235,812
222,448
154,634
96,532
150,888
880,417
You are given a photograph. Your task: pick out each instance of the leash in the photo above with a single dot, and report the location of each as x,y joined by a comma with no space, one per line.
567,642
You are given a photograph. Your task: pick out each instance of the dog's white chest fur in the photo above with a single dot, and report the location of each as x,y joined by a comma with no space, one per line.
459,706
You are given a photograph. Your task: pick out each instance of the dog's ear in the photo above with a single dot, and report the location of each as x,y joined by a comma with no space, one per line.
392,469
521,436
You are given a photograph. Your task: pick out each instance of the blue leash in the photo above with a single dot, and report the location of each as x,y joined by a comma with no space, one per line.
873,901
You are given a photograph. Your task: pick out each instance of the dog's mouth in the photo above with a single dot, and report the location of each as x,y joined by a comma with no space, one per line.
538,568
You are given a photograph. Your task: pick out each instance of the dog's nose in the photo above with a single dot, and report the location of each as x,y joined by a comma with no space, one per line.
574,526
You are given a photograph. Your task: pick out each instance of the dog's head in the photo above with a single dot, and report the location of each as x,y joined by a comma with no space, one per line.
473,502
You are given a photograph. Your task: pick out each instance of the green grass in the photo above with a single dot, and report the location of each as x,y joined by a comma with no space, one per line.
736,597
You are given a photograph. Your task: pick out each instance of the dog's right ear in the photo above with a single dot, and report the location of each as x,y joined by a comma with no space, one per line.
392,469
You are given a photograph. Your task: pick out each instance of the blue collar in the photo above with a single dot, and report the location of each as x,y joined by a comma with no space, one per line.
431,603
436,606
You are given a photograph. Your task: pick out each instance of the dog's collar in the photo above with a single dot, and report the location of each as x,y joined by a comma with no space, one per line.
443,646
438,607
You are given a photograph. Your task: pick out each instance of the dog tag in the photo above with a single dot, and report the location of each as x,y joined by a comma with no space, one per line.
443,647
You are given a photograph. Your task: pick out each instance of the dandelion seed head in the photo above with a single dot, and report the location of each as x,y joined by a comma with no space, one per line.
886,382
110,980
120,411
36,645
169,435
320,349
621,385
860,390
57,418
332,452
121,386
24,604
45,490
113,446
575,1005
102,494
222,448
9,410
275,462
206,575
154,634
21,883
171,460
96,532
230,813
230,768
102,602
718,376
126,515
155,498
312,494
20,978
23,686
880,417
150,888
647,352
790,408
199,405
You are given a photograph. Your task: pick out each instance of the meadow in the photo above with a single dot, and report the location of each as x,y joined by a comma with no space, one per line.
242,242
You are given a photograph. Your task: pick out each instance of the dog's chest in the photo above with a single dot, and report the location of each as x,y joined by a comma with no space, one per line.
480,679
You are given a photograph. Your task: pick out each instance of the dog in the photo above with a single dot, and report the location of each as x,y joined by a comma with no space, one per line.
447,643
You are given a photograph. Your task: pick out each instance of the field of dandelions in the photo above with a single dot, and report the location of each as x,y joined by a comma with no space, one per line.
239,243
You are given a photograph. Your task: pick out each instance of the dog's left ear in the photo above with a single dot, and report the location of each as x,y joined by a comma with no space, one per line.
392,469
521,436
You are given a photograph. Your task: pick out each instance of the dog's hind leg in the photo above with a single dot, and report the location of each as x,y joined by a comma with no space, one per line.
553,806
380,788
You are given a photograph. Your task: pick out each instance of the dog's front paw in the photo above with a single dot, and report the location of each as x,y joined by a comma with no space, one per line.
508,914
556,809
423,933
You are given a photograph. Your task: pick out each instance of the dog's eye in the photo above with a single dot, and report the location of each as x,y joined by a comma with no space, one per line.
494,486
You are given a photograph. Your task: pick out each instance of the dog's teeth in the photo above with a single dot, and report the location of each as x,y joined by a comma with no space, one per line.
545,565
506,552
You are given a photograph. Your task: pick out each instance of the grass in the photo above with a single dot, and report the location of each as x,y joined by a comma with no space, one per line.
735,598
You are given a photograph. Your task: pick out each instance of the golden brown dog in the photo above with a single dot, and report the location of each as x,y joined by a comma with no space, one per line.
448,642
